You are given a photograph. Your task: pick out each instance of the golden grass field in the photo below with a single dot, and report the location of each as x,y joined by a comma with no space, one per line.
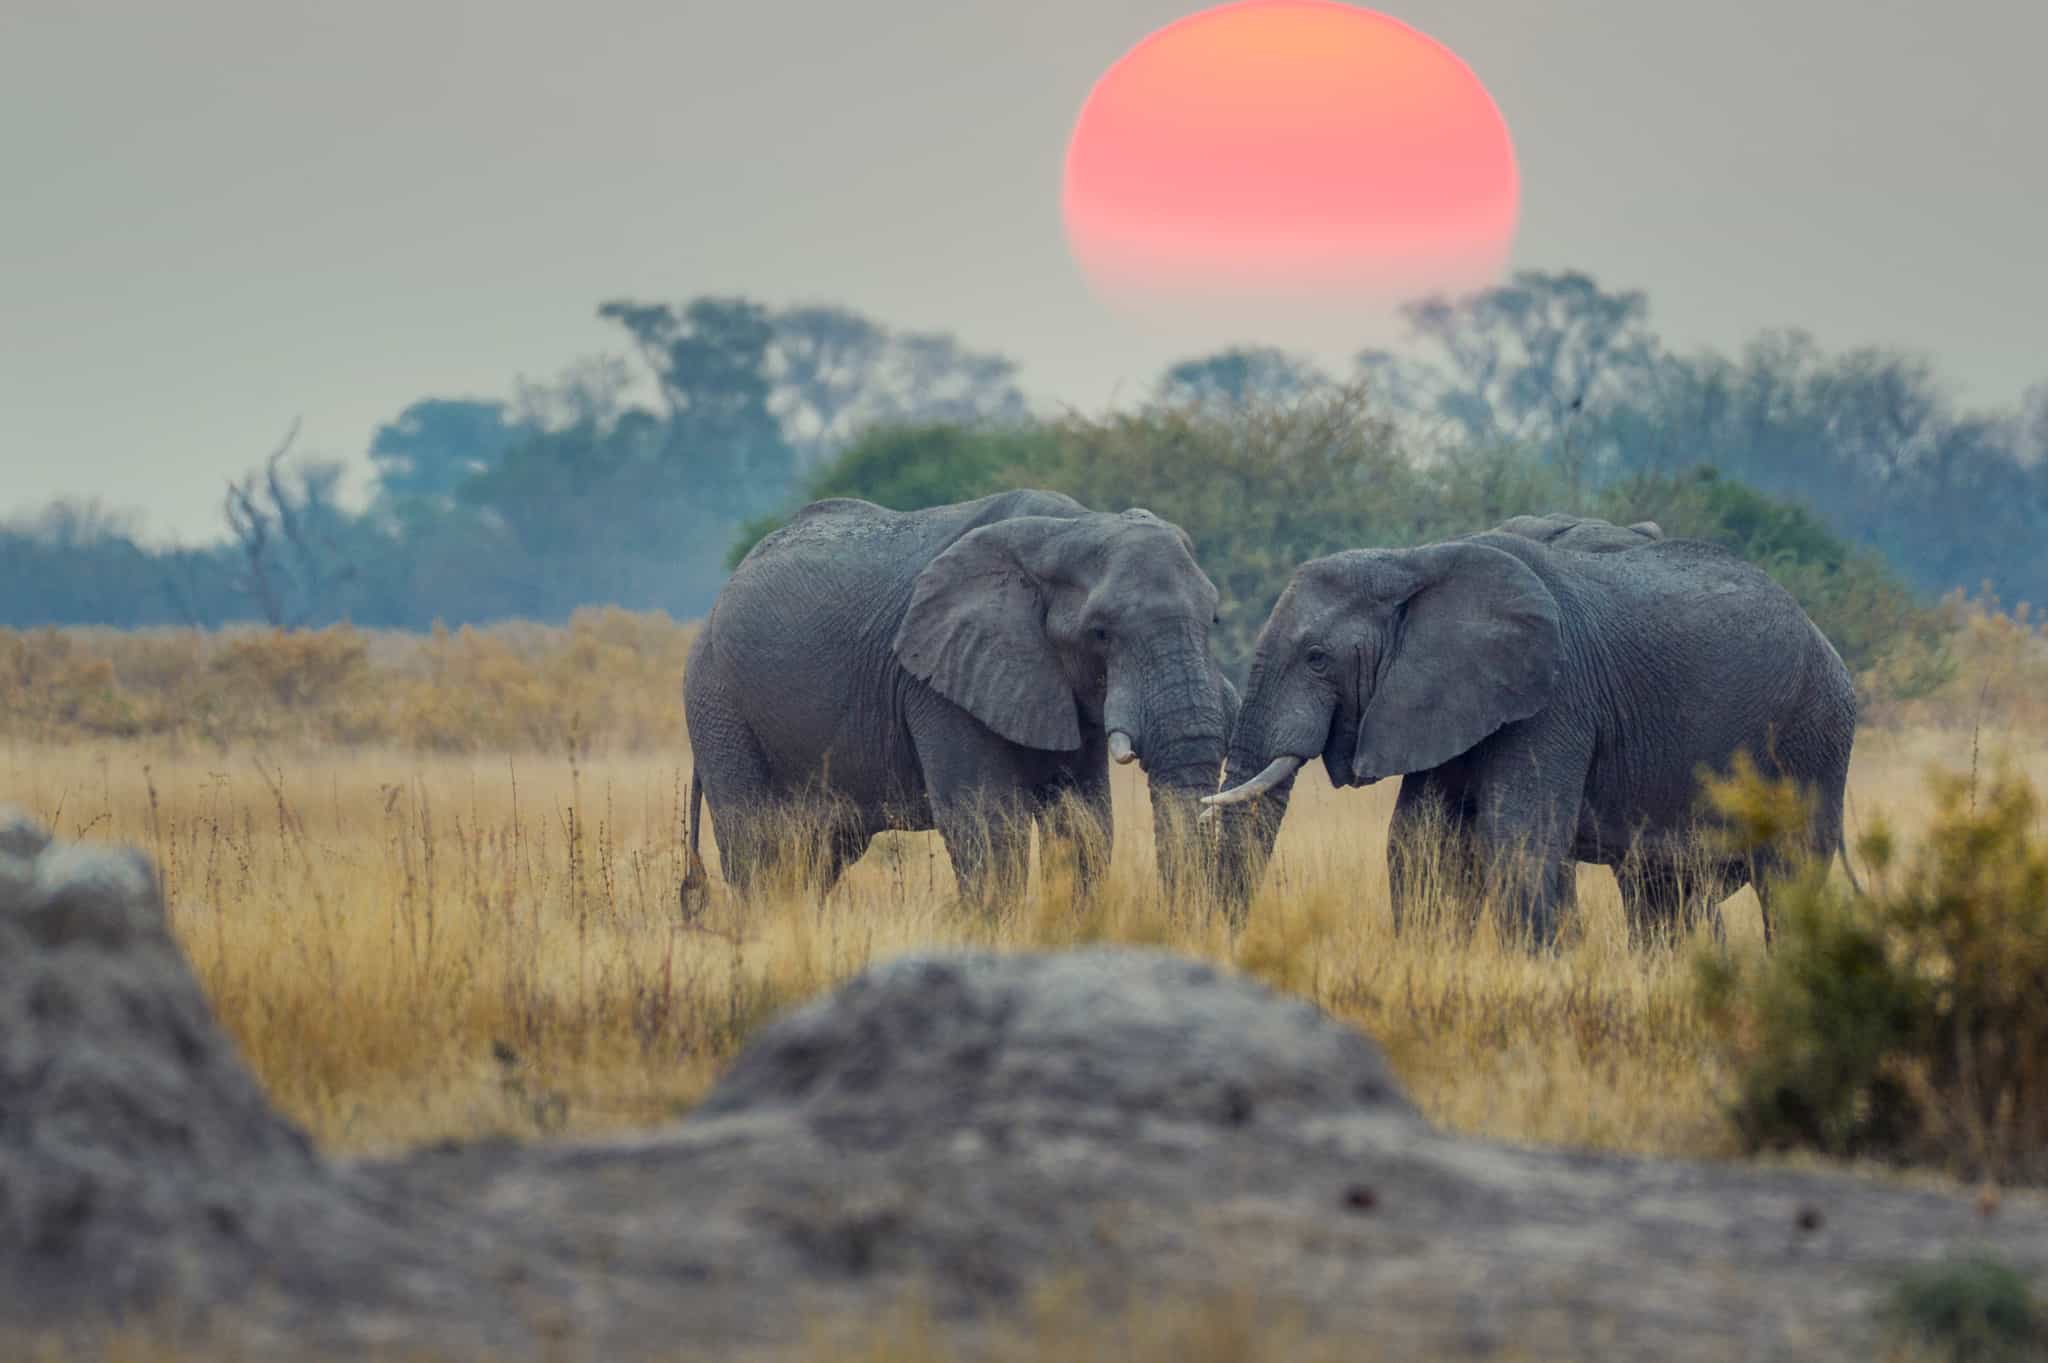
430,885
411,948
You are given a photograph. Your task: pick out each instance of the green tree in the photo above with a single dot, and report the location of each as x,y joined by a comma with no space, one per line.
1241,375
720,442
1537,361
436,444
910,467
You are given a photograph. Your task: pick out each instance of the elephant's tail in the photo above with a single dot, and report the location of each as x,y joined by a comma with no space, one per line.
696,810
1842,845
696,886
1842,849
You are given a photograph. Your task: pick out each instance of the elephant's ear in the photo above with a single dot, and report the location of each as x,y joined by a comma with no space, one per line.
1476,646
1648,529
975,631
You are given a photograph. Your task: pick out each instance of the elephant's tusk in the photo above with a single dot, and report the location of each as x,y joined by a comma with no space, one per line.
1120,749
1278,770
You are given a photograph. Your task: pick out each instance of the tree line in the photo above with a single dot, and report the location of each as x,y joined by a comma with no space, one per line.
633,479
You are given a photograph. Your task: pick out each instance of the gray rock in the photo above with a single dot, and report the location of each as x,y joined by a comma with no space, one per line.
967,1125
141,1168
1113,1040
20,835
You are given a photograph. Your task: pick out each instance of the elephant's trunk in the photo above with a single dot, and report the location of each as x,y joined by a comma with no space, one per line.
1245,832
1183,727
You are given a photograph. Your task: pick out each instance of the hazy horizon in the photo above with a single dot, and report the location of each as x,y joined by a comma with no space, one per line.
230,216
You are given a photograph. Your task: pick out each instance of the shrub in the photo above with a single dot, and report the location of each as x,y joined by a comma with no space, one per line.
611,679
1260,488
1992,673
1970,1311
1264,486
1909,1023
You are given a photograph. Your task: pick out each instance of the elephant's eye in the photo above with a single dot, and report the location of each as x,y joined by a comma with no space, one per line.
1101,634
1317,658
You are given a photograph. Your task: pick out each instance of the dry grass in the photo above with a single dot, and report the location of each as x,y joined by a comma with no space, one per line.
1062,1322
414,947
430,887
608,681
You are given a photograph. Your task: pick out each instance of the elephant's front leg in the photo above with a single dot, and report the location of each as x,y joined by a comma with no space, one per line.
989,840
1430,850
1074,827
1535,889
981,788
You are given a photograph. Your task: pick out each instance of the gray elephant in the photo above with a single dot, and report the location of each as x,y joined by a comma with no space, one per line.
1548,707
965,668
1582,534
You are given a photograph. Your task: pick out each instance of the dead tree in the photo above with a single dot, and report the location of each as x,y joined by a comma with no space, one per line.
282,520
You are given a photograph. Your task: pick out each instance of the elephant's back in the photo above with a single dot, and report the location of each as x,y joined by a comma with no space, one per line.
1702,654
842,528
800,638
796,649
1715,616
1706,590
861,542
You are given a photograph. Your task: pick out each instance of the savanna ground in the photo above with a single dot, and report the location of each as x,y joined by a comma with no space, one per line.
414,948
431,889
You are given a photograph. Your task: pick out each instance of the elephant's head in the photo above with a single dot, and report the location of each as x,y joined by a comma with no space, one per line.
1059,632
1383,662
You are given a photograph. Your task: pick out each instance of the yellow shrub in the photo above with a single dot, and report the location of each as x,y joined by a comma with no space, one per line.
1910,1023
1989,670
610,680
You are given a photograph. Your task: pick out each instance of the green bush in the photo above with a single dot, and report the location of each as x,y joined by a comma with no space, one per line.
1263,486
1909,1023
1260,488
1970,1311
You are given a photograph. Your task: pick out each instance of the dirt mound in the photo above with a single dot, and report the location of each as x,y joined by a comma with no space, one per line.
961,1127
137,1157
1104,1040
143,1174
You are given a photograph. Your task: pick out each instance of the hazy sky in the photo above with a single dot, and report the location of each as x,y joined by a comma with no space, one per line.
218,214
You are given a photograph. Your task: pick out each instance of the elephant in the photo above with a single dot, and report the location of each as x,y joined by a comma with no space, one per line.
1583,534
1546,707
971,668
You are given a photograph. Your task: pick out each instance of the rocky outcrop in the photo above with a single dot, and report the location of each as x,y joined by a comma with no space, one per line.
967,1125
144,1176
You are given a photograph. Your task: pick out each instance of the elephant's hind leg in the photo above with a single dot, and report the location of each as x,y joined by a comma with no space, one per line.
1659,896
738,787
845,843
